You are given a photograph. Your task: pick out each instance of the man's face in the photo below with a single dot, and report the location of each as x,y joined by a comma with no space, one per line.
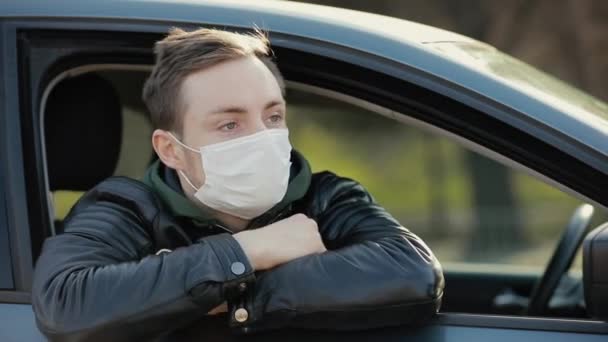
230,100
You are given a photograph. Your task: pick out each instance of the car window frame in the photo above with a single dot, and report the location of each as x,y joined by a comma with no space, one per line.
6,269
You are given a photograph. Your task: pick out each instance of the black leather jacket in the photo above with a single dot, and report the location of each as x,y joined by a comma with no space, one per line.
101,280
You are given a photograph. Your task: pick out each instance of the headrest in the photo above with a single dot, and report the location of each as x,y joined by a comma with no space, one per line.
83,132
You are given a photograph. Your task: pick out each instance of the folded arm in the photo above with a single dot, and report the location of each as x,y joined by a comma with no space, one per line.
375,272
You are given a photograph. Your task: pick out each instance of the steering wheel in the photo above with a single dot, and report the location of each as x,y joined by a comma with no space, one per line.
561,260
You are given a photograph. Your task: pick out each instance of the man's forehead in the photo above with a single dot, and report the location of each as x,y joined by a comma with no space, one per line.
236,83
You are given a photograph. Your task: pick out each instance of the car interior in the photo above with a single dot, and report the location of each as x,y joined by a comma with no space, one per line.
95,126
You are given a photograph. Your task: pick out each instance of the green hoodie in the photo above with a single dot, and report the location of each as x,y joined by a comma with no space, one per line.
181,206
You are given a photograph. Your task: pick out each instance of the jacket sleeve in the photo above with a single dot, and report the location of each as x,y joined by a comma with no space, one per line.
375,272
101,281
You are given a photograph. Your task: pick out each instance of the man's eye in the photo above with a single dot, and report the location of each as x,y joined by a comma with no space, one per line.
276,118
229,126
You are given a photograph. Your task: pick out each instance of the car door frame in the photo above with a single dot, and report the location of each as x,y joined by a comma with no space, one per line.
352,64
6,268
12,198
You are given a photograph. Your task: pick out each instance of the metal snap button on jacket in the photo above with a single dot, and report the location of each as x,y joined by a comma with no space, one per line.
241,315
237,268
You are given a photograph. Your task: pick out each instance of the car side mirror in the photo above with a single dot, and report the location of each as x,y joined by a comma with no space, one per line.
595,277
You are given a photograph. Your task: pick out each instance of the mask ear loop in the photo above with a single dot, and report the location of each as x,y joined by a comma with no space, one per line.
182,144
188,148
188,180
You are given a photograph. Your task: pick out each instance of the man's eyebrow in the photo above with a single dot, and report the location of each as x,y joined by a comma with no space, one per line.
230,109
274,103
242,110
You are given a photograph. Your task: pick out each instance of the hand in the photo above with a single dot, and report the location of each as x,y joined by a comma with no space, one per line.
281,242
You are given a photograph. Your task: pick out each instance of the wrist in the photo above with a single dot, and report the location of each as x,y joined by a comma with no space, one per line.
252,249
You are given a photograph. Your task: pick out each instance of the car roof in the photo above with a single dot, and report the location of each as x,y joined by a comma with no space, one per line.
458,59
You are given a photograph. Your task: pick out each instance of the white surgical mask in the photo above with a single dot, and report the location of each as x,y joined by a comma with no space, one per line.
246,176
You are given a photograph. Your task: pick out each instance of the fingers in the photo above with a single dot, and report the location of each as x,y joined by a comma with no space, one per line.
311,229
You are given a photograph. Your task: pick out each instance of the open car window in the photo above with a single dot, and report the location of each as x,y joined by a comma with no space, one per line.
471,210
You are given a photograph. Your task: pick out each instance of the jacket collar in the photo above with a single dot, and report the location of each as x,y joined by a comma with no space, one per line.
165,183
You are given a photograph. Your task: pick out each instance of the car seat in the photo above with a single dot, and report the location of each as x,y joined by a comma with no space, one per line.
83,135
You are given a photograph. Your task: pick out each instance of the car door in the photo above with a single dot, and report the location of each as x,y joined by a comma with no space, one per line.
54,47
16,320
16,316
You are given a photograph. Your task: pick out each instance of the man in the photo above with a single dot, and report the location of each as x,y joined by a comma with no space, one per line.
228,222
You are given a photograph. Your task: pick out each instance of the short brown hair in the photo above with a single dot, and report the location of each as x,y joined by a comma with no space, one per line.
182,53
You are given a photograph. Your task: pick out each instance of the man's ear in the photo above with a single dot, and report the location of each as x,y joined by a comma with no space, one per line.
168,150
